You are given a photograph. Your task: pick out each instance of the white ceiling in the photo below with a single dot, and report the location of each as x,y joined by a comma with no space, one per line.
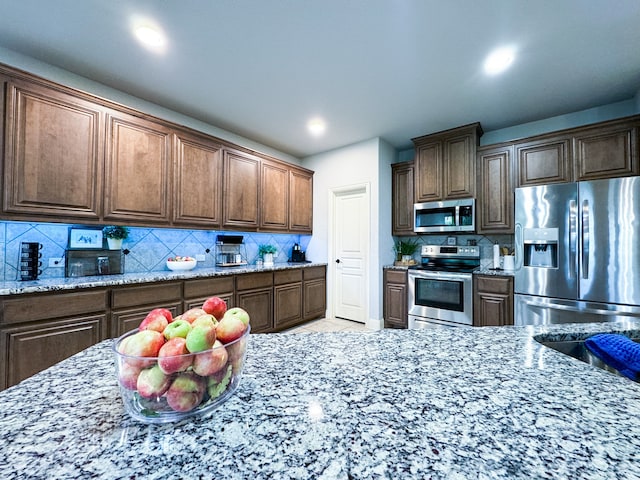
396,69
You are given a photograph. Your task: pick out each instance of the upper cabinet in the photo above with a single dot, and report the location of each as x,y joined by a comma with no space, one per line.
137,173
197,181
53,153
495,205
402,199
544,161
69,156
445,164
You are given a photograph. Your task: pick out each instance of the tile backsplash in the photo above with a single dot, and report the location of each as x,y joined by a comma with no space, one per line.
148,248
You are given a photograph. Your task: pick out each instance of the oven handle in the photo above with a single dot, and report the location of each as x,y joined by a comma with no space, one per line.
440,275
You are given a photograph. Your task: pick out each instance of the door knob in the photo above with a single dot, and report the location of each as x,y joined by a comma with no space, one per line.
338,261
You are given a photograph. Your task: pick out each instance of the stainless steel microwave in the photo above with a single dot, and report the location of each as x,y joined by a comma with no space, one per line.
445,216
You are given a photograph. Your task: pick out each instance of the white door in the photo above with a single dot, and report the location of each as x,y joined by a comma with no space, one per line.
350,245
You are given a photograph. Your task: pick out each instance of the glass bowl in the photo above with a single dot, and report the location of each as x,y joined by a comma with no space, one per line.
152,396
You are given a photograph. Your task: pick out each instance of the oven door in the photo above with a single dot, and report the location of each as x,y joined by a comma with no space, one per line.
444,298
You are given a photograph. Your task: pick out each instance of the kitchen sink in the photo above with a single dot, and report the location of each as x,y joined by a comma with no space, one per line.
577,350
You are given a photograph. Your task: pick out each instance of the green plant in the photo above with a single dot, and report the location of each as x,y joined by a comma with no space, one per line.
114,231
406,248
262,249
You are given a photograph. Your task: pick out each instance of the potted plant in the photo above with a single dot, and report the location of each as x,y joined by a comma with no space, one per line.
405,250
267,252
115,234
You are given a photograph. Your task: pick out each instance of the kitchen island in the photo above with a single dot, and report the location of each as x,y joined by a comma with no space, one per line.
449,403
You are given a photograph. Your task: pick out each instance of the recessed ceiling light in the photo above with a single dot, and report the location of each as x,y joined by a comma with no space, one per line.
316,126
499,60
150,36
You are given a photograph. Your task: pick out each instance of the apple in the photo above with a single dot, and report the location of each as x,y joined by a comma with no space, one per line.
191,314
232,325
155,320
128,375
205,320
215,306
173,357
218,383
145,343
177,328
152,382
200,338
212,361
186,392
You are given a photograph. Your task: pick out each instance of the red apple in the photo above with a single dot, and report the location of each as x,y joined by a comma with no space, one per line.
215,306
172,356
211,361
145,343
128,375
191,314
153,382
155,320
186,392
233,325
205,320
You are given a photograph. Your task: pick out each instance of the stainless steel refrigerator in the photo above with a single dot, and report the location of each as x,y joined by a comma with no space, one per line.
578,252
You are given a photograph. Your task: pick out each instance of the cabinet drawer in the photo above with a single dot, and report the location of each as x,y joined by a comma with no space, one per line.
396,276
494,284
208,287
146,294
250,281
28,308
314,272
287,276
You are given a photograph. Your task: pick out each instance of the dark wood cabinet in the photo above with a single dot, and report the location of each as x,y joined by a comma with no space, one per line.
39,330
53,154
241,190
314,292
395,298
544,160
131,304
197,183
492,300
196,291
495,205
138,170
402,192
254,293
445,164
301,201
274,196
287,298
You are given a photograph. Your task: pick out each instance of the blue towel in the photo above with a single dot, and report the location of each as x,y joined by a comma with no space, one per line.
617,351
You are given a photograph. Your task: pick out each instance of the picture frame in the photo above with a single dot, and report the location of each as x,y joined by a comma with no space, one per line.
85,238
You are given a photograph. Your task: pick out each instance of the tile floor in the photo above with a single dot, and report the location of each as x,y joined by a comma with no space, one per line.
329,325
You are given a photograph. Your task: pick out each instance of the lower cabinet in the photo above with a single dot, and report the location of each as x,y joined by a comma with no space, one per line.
40,330
314,293
492,300
395,299
130,304
254,293
287,298
198,290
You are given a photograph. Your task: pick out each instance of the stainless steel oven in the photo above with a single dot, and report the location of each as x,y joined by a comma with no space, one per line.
441,287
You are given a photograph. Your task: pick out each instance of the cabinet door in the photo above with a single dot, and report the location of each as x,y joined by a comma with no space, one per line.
274,194
402,199
459,167
606,152
495,191
35,347
300,201
241,190
258,304
545,161
138,177
315,299
492,301
395,300
287,305
53,154
198,182
123,321
428,172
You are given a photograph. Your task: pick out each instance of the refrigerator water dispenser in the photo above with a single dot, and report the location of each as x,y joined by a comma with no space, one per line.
540,247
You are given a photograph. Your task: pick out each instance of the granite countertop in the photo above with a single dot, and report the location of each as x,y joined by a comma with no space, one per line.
60,284
496,272
442,404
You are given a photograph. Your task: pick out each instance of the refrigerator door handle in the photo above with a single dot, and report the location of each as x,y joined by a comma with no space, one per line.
585,239
573,238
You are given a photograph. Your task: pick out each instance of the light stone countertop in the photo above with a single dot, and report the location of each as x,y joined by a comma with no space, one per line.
62,283
466,403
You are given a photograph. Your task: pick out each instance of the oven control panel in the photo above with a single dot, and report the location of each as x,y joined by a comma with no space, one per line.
472,251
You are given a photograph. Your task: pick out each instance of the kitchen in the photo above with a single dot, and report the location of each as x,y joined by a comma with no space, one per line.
354,161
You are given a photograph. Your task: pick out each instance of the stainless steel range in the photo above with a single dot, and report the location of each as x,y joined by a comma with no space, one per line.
441,287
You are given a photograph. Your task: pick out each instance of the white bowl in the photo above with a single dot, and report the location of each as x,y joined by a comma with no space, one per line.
181,265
